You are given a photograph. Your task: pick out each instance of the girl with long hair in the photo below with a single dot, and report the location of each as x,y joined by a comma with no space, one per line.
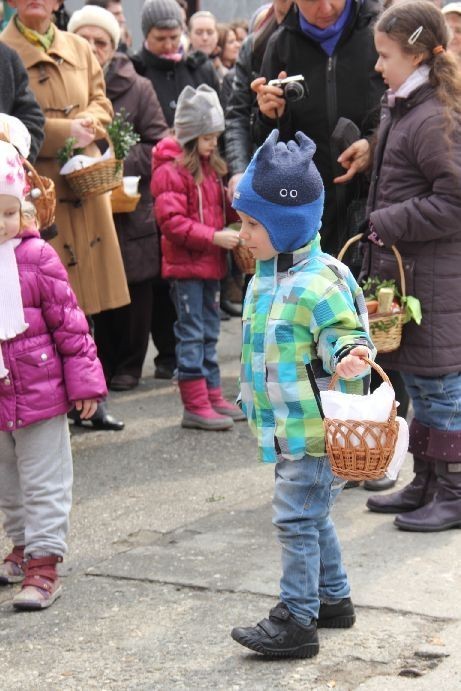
191,211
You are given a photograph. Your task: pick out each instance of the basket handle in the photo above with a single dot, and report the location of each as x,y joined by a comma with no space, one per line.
398,257
37,180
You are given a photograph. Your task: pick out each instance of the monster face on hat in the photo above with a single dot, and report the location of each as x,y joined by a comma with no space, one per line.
282,189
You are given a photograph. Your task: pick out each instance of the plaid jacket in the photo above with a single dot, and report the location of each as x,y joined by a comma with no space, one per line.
302,312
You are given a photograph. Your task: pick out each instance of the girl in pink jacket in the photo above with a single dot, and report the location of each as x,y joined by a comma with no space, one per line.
48,364
191,210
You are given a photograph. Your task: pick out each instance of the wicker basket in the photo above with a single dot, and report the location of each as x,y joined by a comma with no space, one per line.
244,259
347,442
123,203
99,178
45,199
385,328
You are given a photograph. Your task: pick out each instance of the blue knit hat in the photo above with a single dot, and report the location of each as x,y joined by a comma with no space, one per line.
282,189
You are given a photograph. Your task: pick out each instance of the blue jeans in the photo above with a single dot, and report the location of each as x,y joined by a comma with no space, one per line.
312,569
436,400
197,329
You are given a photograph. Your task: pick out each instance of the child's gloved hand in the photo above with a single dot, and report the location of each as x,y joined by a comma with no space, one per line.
353,363
86,408
226,238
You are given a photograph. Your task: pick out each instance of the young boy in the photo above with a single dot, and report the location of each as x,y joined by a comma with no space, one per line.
304,318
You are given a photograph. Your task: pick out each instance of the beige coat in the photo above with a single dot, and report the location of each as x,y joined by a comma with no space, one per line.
68,83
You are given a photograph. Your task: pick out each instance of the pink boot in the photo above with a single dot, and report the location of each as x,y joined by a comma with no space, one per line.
198,413
220,405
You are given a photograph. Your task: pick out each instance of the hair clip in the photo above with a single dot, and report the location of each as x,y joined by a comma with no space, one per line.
415,35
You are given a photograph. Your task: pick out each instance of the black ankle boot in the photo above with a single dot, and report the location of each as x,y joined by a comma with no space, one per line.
279,636
338,616
444,511
101,419
417,493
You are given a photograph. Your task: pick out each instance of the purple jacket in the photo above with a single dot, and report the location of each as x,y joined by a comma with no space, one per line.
415,203
54,362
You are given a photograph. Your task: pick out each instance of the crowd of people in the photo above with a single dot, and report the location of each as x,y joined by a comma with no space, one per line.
365,138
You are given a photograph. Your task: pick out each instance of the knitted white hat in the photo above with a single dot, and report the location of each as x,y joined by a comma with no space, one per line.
14,131
452,7
92,15
198,112
12,175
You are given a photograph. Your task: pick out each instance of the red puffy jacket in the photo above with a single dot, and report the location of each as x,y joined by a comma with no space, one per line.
188,215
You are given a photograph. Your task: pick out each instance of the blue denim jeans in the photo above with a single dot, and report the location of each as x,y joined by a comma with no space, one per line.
197,329
312,570
436,400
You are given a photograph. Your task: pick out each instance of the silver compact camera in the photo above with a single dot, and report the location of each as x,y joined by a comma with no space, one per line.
294,88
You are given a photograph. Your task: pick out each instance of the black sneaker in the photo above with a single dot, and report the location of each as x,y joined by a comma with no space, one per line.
280,635
338,616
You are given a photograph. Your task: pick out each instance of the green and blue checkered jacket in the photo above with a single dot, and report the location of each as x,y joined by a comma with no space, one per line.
302,313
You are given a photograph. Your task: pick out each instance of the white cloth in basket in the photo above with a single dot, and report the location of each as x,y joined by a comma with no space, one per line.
81,161
375,406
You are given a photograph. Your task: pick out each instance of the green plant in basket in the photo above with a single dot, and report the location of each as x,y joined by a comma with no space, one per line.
69,150
122,135
412,305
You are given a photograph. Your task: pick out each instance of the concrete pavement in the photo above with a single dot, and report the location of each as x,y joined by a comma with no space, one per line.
172,545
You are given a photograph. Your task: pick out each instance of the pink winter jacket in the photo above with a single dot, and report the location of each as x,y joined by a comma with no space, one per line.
186,231
54,362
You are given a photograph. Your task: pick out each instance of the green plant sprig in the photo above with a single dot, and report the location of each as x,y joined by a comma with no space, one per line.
122,135
66,152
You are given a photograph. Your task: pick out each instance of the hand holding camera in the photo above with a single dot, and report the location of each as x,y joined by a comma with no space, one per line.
273,96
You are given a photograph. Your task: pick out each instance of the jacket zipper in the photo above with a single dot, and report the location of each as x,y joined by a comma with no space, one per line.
332,113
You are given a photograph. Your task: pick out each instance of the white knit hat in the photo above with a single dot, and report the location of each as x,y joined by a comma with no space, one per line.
92,15
198,112
15,132
454,7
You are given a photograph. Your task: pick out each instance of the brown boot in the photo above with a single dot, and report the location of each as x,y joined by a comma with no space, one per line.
444,511
417,493
41,585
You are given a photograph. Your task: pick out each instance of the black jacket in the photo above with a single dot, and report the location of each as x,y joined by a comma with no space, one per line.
343,85
17,99
169,78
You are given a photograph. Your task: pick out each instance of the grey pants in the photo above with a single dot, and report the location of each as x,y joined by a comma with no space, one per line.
36,485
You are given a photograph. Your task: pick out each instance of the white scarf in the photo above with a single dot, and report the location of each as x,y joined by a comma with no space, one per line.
12,321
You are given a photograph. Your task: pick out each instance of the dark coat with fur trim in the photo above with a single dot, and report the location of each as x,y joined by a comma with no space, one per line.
415,204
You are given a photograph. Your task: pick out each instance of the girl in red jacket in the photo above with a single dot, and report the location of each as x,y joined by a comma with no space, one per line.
191,210
48,364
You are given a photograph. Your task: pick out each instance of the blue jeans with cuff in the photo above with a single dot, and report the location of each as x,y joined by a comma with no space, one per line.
312,569
197,329
436,400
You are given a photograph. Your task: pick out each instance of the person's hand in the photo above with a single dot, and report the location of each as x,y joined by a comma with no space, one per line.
355,159
226,238
270,98
86,408
231,187
83,130
353,364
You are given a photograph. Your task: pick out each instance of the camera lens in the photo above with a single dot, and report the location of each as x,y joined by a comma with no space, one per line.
294,91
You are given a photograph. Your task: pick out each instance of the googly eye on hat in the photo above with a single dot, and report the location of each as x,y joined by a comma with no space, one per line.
283,190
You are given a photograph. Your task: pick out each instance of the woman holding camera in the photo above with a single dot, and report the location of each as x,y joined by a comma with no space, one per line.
329,43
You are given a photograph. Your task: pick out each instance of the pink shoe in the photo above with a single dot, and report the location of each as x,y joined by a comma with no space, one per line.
41,585
12,569
220,405
198,412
